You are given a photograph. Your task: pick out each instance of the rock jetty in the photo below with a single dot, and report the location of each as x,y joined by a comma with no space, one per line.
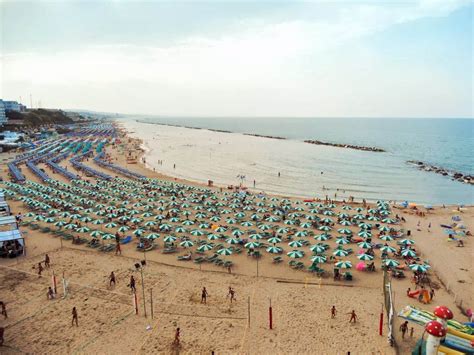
454,175
263,136
349,146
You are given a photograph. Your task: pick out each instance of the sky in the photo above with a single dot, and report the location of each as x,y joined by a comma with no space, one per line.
350,58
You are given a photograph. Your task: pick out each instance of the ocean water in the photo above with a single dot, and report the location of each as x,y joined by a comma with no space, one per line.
310,170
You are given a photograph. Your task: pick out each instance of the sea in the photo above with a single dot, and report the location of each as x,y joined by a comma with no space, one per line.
291,167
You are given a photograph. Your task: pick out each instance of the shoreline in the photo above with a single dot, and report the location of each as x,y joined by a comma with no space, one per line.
146,150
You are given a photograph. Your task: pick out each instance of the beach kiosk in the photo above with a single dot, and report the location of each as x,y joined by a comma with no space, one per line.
12,243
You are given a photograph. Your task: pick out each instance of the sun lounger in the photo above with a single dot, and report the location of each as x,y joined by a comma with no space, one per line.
277,259
199,260
169,250
184,257
126,240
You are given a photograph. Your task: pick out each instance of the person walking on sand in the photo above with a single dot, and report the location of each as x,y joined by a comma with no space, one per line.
3,309
46,261
231,294
74,317
118,250
432,293
204,295
50,294
404,329
112,279
176,337
353,316
132,284
333,312
40,269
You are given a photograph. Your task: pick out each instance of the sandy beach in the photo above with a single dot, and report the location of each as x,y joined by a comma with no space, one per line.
301,301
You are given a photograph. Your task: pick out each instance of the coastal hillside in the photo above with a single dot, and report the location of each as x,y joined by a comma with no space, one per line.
38,117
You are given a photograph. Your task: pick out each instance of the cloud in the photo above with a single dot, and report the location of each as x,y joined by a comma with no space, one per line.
259,57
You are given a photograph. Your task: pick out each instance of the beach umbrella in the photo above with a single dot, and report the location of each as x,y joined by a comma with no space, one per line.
391,263
326,220
344,264
290,222
39,218
364,234
319,259
272,219
147,214
328,213
246,224
305,225
60,224
197,232
123,229
165,227
237,233
70,226
365,225
388,249
82,229
317,249
264,227
169,239
384,229
221,229
215,218
108,236
212,236
389,220
408,253
346,207
365,257
232,240
49,220
159,217
180,229
386,238
324,228
295,254
231,220
205,247
407,242
282,230
255,236
345,222
274,240
274,250
340,252
187,222
138,231
95,234
295,244
152,236
31,214
252,245
418,267
224,251
358,216
111,225
344,231
97,221
86,219
342,241
204,225
364,245
300,234
186,243
150,223
322,237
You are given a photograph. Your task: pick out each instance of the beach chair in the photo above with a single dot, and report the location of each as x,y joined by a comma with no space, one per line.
228,263
169,250
277,259
347,276
184,257
238,250
199,260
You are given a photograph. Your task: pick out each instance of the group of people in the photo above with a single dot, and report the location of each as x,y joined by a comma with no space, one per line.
205,295
352,319
131,284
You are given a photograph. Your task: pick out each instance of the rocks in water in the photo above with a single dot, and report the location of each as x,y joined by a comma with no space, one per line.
454,175
349,146
263,136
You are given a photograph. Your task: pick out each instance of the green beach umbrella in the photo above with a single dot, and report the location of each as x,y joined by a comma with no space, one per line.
344,264
342,241
386,238
418,267
123,229
408,253
391,263
295,254
169,239
95,234
324,228
388,249
295,244
274,240
340,252
320,259
224,251
82,230
205,247
407,242
197,232
255,236
212,236
317,249
344,231
365,257
152,236
274,250
322,237
364,245
111,225
186,243
252,245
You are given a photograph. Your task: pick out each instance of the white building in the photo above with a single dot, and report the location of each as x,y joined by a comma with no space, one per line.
3,118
